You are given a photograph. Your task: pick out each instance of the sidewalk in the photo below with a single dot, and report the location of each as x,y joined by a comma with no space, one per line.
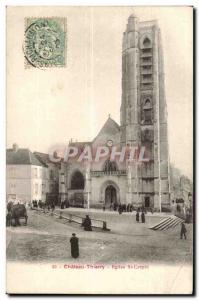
75,210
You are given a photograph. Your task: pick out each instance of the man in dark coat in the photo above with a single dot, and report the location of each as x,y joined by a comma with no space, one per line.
120,209
53,206
87,224
74,242
143,217
9,219
137,216
183,231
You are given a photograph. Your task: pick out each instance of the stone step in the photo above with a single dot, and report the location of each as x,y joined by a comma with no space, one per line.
170,222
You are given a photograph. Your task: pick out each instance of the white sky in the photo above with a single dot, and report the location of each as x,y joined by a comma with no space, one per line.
52,106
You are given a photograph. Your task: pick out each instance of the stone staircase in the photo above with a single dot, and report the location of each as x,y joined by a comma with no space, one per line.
170,222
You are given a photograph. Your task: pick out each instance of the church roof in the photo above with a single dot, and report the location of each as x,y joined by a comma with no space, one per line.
21,156
79,143
45,159
110,128
42,157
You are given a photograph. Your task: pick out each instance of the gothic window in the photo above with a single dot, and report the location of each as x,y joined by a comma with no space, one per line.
147,135
147,42
147,112
146,67
147,76
146,60
148,116
147,104
110,166
77,181
148,153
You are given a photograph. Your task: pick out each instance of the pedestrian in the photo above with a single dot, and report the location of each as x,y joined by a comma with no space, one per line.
53,206
104,207
178,208
137,216
120,209
127,208
143,217
9,219
183,231
74,242
87,223
151,209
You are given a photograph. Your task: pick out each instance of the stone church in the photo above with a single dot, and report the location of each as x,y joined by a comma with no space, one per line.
143,122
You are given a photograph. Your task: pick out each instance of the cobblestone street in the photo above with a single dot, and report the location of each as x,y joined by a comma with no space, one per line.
46,239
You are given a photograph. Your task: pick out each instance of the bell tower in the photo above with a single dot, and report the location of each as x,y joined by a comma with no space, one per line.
130,80
143,113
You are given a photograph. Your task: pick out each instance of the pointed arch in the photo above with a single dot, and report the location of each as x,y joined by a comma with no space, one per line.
110,184
147,103
110,166
77,181
146,42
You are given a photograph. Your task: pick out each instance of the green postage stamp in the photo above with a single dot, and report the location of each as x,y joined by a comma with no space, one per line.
45,42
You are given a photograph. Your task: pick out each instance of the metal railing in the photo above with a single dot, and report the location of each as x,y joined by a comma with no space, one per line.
96,223
109,173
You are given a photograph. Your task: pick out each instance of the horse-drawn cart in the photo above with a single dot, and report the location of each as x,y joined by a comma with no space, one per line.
15,212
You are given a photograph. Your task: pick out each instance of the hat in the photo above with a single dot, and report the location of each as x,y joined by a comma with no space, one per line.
73,234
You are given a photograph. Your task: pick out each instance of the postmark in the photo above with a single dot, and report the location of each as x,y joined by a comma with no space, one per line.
45,42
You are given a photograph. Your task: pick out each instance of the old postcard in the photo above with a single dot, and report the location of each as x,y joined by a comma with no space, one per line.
99,189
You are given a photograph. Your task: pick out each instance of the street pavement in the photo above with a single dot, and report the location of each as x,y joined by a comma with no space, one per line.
46,238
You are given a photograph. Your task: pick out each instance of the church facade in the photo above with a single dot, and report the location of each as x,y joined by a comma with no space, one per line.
143,123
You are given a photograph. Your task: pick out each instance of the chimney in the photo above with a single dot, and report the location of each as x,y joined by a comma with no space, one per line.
55,154
15,147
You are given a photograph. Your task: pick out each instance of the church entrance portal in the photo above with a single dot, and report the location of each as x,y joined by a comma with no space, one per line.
110,196
77,189
147,202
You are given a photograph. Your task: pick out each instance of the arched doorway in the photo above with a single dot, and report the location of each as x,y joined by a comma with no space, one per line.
76,192
109,193
110,196
147,202
77,181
